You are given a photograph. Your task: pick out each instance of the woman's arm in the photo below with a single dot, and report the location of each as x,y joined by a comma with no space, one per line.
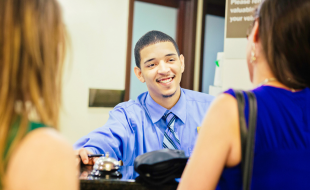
43,160
218,145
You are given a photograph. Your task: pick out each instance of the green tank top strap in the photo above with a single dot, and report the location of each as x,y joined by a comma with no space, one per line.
14,130
34,125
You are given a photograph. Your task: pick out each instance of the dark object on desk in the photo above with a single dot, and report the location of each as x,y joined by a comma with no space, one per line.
105,98
160,166
129,181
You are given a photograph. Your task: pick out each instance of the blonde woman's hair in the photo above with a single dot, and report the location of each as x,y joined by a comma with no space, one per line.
32,49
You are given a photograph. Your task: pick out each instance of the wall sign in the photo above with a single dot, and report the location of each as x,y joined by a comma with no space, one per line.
105,98
239,17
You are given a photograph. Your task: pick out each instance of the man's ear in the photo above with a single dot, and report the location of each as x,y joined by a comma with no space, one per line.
182,62
139,74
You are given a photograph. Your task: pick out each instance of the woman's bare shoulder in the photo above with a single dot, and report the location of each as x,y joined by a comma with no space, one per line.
43,160
225,105
226,99
43,140
215,146
222,119
45,135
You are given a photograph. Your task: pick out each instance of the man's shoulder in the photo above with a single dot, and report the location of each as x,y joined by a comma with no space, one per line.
198,96
128,105
132,104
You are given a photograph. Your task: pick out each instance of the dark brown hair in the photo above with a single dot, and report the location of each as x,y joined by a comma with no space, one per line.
150,38
284,30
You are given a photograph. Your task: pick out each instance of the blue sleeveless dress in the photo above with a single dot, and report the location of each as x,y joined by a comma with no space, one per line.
282,142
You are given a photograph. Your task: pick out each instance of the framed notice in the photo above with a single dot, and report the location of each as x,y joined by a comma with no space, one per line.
239,17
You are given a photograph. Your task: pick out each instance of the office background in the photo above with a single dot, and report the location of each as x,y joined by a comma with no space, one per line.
102,36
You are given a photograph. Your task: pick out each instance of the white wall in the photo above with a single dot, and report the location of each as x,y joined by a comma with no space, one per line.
234,67
98,34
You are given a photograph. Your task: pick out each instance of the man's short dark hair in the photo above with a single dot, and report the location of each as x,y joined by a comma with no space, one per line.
151,38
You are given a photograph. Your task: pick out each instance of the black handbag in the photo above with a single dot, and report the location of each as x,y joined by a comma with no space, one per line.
247,135
160,166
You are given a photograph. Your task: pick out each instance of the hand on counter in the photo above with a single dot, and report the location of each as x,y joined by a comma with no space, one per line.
83,155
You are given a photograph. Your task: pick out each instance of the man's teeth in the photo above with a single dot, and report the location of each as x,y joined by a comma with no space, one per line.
166,80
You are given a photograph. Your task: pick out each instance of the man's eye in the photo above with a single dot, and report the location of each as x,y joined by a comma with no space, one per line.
171,60
151,65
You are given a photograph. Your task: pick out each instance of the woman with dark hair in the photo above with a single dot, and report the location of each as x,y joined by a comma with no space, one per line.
278,56
32,46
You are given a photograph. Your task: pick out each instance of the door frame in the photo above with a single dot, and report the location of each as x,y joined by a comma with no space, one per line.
212,7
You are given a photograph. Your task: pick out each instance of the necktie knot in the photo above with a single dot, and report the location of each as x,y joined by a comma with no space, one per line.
166,115
171,139
169,118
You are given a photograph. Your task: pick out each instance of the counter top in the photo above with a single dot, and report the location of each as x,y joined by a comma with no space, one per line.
129,180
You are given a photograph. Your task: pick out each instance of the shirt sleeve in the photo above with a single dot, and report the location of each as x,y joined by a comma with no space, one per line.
116,137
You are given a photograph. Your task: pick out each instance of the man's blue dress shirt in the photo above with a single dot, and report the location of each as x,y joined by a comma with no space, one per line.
136,127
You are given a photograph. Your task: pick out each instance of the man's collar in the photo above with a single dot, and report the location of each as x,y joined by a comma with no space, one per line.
179,109
157,111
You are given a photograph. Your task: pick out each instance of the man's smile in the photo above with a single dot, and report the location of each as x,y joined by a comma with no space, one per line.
165,80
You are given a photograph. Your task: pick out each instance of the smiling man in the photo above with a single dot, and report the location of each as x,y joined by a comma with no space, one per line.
166,116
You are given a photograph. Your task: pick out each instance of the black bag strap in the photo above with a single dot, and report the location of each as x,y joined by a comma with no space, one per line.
247,135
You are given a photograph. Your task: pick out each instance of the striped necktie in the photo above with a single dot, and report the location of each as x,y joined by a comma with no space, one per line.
171,140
